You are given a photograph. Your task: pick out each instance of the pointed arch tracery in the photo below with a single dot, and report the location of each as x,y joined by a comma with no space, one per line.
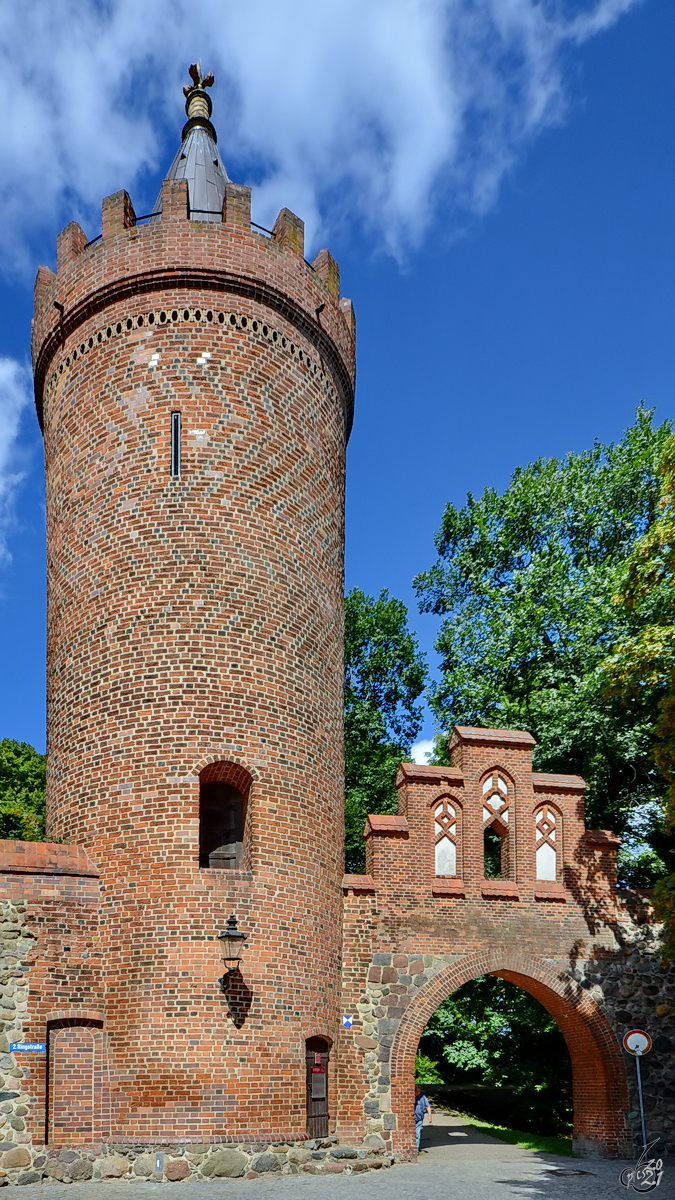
497,791
447,815
547,842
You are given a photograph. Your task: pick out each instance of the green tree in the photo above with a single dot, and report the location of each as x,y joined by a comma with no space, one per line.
645,663
22,791
525,583
492,1033
385,674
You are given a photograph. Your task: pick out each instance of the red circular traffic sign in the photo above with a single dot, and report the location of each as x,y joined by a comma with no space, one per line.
637,1042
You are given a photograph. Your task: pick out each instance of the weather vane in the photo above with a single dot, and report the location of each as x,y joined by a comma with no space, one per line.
198,80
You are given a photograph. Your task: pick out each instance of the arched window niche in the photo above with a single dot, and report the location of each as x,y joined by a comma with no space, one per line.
447,815
497,825
224,789
547,842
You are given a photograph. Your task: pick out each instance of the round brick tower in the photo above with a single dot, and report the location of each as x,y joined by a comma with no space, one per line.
194,378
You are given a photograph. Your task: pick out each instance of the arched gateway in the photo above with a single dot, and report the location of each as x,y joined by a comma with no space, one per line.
428,917
598,1077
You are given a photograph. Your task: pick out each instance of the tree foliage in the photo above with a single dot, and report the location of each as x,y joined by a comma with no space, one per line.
385,674
493,1033
22,791
525,582
644,663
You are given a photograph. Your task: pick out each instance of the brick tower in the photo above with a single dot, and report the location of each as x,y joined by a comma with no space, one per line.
194,379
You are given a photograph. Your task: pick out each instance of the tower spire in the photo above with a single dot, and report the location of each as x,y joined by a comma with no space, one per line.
198,159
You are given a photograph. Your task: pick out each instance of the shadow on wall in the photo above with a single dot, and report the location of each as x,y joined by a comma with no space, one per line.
633,987
238,995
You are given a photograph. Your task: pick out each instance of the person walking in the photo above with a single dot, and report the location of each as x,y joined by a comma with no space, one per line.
422,1106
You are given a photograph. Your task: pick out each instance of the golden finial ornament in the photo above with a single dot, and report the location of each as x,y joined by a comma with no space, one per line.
197,100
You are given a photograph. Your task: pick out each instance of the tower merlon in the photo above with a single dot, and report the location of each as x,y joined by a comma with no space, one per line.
175,200
327,269
117,214
237,205
289,232
347,310
69,244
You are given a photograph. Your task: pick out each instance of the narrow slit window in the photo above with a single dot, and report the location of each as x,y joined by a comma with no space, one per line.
175,445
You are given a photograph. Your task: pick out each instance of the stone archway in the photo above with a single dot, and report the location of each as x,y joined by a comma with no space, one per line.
600,1094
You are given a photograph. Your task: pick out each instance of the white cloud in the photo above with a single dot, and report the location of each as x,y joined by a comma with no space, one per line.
14,398
421,751
380,111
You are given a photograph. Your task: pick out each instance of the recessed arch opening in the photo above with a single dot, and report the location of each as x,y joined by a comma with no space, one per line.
599,1091
492,1050
224,790
75,1084
498,793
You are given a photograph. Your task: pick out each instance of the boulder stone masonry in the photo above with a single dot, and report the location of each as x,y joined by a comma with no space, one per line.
177,1162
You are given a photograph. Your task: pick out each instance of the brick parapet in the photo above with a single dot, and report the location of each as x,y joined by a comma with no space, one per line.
45,858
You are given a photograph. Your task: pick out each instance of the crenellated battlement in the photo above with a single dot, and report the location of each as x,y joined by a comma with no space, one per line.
172,249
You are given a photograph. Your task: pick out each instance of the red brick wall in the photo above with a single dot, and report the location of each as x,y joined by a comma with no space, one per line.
198,620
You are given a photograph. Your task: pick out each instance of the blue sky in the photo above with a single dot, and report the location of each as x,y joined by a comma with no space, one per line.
496,180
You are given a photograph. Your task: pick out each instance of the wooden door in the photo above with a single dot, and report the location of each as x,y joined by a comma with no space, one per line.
317,1056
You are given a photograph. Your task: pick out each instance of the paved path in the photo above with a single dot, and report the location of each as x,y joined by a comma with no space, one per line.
460,1163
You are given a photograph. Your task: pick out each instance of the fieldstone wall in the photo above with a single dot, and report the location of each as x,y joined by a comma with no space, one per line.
636,991
25,1164
392,982
16,944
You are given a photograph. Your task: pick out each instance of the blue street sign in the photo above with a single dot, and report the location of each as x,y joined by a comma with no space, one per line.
347,1022
28,1045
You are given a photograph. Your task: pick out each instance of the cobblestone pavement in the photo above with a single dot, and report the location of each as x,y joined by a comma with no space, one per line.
458,1163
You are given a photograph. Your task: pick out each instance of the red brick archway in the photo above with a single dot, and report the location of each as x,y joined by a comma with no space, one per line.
598,1077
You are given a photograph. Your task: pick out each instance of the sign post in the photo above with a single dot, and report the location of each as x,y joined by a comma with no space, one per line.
637,1043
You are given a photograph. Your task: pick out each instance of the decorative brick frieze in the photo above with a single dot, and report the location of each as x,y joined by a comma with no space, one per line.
230,322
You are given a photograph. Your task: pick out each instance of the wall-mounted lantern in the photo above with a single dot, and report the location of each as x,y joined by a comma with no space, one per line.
231,943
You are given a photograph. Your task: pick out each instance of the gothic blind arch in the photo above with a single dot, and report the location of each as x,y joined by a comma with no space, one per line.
548,829
447,826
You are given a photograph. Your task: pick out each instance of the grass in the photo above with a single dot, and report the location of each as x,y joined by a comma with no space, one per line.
517,1137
